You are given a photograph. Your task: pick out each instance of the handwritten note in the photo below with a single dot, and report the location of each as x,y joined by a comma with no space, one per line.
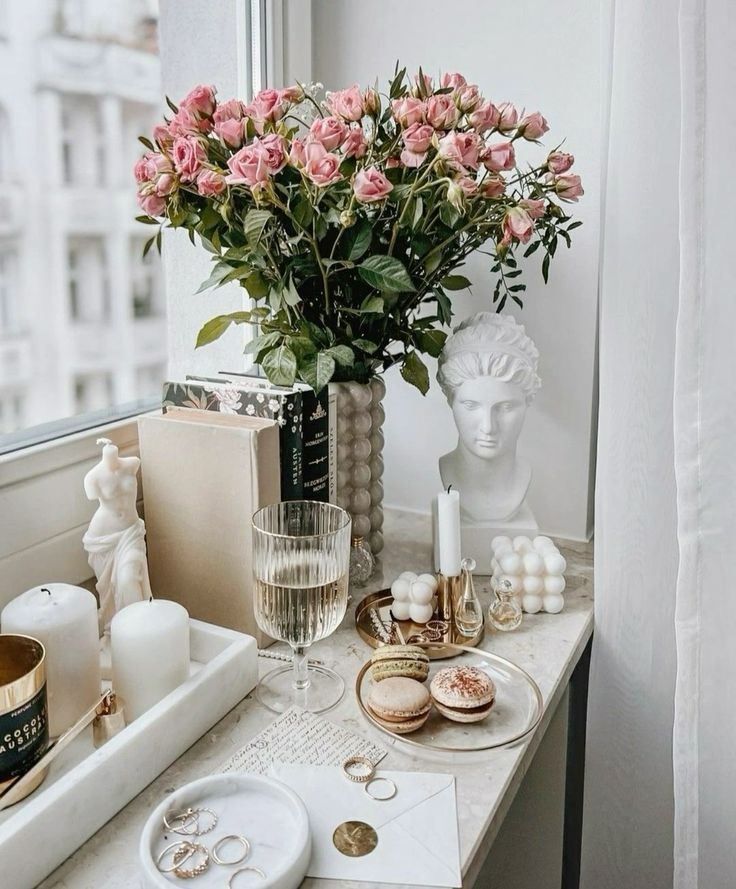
301,737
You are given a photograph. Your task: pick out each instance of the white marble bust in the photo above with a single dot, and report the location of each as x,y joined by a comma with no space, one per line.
488,372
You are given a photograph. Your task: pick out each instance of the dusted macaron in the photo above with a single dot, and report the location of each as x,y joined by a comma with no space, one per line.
463,694
399,704
400,660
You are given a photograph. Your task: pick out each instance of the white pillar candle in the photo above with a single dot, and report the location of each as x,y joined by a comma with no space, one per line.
64,619
448,531
149,644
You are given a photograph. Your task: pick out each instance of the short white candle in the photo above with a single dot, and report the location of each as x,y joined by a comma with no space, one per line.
64,619
448,532
149,644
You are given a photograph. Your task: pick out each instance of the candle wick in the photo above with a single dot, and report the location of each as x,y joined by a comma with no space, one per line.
150,598
45,590
448,488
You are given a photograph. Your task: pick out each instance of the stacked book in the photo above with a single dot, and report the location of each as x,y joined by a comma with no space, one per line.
306,421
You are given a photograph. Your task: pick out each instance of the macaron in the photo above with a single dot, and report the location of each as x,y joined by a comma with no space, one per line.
463,694
399,704
399,660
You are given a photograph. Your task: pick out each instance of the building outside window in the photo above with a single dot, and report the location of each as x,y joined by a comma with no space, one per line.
88,280
92,391
145,278
9,296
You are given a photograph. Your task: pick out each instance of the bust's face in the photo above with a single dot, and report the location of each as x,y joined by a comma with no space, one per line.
489,415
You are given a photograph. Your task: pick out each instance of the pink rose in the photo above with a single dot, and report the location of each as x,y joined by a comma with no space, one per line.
274,147
408,111
162,136
535,208
248,167
418,137
292,94
507,116
268,105
460,149
468,98
485,117
330,131
210,183
493,186
371,185
185,123
321,167
233,109
442,112
533,126
143,167
200,101
347,104
559,162
297,154
568,187
468,185
499,156
188,155
355,143
452,80
517,223
231,132
151,204
410,159
423,87
371,102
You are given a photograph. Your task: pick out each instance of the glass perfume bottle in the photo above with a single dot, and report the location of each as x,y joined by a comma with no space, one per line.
504,612
361,562
468,610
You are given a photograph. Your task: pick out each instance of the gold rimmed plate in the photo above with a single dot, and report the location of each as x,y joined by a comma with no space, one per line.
381,603
515,714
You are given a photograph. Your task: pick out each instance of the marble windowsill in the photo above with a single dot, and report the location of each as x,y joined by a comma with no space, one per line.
547,646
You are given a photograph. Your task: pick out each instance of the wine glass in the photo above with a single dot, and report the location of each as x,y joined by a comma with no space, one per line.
301,560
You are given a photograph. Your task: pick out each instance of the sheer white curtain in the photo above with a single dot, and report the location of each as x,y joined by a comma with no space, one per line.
660,803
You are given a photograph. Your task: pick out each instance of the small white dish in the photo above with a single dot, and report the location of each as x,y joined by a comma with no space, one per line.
266,812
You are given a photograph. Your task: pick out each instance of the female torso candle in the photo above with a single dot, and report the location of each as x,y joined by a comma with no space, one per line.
149,643
448,532
64,619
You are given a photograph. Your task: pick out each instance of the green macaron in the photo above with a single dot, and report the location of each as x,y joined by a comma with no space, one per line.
391,661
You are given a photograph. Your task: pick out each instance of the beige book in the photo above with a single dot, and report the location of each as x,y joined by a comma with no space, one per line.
204,474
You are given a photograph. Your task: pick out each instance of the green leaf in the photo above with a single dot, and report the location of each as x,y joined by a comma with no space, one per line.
317,370
280,366
291,294
147,220
418,212
531,248
414,371
372,305
146,142
254,224
301,346
365,346
215,327
220,271
432,261
265,341
448,214
171,105
302,212
545,268
432,341
357,239
256,285
386,273
444,307
343,355
455,282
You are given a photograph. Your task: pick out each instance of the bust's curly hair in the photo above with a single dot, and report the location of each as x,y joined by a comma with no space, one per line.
489,345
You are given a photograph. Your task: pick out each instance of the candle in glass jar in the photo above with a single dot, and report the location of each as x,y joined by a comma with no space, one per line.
149,644
448,532
64,619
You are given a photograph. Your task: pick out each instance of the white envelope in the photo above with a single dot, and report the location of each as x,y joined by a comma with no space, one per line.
417,831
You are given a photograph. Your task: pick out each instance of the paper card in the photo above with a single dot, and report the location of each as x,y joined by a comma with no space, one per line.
301,737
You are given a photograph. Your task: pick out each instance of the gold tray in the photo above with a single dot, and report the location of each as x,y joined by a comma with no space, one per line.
516,713
381,601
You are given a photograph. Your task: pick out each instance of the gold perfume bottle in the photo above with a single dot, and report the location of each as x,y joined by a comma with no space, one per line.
468,610
504,612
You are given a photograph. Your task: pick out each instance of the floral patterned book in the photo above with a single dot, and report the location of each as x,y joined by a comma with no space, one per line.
231,397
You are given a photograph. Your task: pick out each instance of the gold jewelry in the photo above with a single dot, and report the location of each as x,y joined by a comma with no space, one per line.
188,815
231,836
186,873
181,844
363,774
391,789
242,870
200,831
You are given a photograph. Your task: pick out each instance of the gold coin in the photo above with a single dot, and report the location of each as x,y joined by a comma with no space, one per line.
355,838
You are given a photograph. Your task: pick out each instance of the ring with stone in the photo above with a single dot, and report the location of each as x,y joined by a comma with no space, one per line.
181,846
364,771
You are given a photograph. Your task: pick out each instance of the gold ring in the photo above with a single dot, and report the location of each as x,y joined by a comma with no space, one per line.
184,817
391,789
186,873
242,870
185,845
361,776
231,836
212,826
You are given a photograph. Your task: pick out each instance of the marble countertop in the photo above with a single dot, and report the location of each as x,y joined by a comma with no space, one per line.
547,646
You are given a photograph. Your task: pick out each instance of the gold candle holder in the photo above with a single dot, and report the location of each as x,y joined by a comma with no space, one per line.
24,731
448,589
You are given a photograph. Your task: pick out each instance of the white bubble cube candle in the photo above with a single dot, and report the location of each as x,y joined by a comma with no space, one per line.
533,569
413,597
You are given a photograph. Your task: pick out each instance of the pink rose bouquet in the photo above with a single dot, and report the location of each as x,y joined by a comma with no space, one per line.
347,219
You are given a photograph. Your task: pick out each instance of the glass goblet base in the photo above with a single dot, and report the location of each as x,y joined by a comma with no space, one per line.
277,692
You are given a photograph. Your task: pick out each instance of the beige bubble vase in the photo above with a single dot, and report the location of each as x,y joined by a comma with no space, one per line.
360,418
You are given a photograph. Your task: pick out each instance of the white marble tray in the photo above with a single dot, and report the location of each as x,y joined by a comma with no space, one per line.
86,787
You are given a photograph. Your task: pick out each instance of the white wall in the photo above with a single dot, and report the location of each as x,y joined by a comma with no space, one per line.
544,56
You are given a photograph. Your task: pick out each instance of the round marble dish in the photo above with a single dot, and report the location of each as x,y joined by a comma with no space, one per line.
515,713
266,812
